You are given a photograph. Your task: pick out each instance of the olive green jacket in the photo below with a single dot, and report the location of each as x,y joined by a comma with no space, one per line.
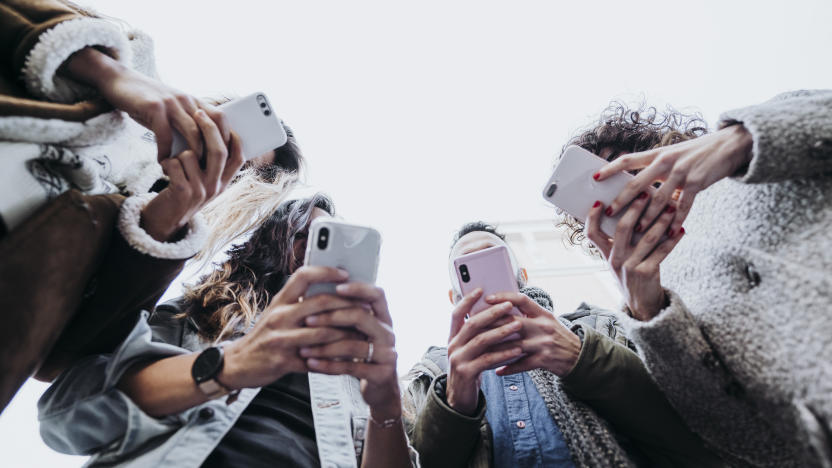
615,414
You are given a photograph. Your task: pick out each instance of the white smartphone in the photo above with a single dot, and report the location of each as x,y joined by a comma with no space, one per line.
572,188
255,122
342,245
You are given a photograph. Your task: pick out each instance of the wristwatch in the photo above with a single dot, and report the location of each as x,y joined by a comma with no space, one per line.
205,370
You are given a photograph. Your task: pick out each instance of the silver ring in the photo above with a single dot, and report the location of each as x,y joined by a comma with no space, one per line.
369,357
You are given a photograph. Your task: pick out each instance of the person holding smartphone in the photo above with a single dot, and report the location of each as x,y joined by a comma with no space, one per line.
219,376
96,216
576,392
730,300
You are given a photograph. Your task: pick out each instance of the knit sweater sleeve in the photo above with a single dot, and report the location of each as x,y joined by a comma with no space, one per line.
792,136
36,38
704,392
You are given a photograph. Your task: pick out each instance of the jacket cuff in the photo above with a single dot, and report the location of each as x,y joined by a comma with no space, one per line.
56,45
128,224
582,379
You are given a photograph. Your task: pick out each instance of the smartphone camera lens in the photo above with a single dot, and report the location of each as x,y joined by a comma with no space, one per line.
463,273
323,238
267,112
263,105
551,190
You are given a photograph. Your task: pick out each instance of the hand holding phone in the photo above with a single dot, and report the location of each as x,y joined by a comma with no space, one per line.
254,121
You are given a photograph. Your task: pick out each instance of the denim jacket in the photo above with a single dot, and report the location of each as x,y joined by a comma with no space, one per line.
83,413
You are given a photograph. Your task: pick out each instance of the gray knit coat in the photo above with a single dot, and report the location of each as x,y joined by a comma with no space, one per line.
743,350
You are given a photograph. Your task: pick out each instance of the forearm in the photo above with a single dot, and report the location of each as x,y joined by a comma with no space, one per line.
386,446
92,67
164,387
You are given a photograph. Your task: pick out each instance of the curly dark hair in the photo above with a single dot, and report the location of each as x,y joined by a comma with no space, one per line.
621,130
254,271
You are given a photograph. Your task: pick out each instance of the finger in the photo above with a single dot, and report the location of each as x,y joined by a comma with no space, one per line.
219,119
462,310
592,228
653,235
641,183
369,293
683,208
182,121
627,224
300,281
480,321
308,337
374,373
664,248
663,197
350,350
482,342
235,160
522,302
320,304
178,180
627,162
491,360
193,172
521,365
164,135
216,153
354,317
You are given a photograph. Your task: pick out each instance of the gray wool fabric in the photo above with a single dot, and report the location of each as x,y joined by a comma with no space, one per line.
742,351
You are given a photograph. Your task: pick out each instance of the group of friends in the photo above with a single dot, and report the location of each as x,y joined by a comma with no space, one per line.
718,356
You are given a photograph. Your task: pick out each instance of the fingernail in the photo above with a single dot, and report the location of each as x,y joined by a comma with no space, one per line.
490,297
200,112
597,204
642,195
638,228
312,320
477,292
608,211
516,350
304,351
596,175
313,362
670,209
681,230
343,274
341,288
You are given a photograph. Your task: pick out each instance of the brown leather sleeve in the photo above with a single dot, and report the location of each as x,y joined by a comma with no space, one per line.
21,23
126,283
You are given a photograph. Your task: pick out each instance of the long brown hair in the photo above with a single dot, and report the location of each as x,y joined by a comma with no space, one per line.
622,129
227,300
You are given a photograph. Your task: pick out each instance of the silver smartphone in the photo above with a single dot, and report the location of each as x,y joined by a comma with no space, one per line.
255,122
342,245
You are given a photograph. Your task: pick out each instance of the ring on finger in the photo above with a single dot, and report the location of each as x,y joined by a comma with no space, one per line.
369,357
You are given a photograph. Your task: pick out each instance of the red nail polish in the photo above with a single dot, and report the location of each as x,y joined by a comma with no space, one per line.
638,228
596,175
597,204
681,230
608,211
642,195
670,209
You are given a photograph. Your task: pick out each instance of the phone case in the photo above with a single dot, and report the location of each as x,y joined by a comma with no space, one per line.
254,121
572,188
489,269
350,247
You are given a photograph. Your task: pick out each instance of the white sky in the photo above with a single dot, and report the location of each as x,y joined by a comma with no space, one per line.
417,117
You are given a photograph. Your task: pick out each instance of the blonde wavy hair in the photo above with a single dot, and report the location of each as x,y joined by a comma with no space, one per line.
228,299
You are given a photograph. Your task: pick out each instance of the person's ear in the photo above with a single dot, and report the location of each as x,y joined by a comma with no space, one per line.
525,275
451,296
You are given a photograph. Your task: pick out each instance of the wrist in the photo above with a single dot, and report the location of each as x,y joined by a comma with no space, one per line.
459,398
571,346
93,67
231,374
392,409
158,224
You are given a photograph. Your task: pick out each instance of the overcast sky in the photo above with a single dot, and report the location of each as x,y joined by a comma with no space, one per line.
417,117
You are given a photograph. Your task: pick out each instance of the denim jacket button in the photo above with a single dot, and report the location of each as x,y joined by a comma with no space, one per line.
513,387
521,424
206,413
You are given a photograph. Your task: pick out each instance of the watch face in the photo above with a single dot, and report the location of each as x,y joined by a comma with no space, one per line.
207,365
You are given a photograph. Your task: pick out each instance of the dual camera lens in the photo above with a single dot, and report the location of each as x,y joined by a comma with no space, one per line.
264,106
463,273
323,238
